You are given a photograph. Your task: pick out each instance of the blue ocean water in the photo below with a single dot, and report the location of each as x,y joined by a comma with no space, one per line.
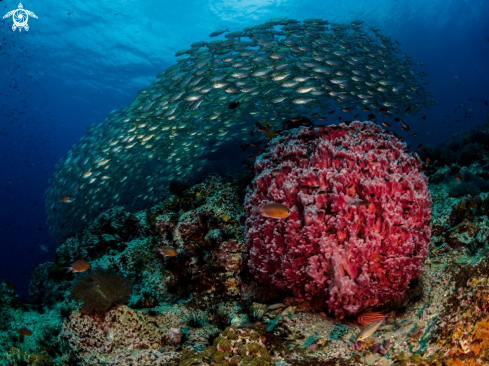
80,60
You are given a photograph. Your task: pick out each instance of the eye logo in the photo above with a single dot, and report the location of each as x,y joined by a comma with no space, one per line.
20,17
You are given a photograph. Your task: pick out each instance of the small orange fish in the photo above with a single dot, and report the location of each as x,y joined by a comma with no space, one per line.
365,203
24,331
370,317
346,109
427,162
78,266
273,210
66,199
459,178
168,251
385,124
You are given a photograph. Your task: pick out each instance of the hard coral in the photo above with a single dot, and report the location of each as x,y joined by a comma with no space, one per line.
100,289
359,227
233,347
121,335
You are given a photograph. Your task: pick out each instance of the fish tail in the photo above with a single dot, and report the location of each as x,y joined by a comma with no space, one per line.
255,209
68,269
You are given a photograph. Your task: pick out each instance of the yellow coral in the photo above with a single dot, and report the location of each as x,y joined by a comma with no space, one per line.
481,333
457,362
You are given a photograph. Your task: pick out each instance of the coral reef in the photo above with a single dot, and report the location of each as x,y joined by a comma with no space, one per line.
203,307
359,228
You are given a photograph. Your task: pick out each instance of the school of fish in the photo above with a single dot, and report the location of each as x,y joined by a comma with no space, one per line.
214,94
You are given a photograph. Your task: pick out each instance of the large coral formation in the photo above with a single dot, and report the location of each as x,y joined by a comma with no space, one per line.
211,252
359,228
122,334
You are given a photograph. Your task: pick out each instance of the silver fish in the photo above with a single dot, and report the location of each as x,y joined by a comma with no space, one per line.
370,329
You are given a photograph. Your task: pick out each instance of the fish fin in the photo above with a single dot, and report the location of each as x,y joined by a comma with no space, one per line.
68,269
227,30
255,209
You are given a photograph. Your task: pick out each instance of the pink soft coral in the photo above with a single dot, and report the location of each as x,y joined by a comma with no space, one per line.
359,228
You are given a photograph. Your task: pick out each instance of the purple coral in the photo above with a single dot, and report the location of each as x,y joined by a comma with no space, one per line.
359,228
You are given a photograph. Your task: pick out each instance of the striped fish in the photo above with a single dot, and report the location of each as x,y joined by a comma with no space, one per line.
370,317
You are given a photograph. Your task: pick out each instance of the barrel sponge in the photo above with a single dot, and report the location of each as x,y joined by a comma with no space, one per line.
359,227
100,289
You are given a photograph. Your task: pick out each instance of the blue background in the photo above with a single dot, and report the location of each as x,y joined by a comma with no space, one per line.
80,60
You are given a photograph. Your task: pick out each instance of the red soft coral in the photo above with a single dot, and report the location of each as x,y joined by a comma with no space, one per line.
359,228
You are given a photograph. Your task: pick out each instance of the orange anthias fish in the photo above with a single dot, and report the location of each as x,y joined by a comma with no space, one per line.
66,199
168,251
370,317
273,210
24,331
78,266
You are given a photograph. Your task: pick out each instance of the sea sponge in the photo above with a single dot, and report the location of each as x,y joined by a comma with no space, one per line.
100,289
360,211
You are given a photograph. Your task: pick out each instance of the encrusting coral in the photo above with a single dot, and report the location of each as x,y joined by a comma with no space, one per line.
233,347
120,335
359,228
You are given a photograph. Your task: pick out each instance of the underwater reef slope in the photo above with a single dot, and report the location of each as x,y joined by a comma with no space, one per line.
202,306
360,212
283,67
